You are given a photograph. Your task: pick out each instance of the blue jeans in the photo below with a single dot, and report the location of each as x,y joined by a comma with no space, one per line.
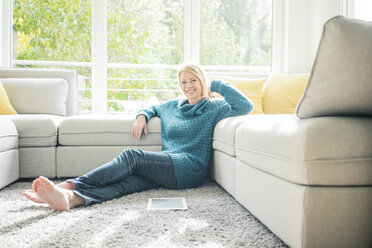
132,171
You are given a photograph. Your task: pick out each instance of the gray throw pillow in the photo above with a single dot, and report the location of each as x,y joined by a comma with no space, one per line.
341,79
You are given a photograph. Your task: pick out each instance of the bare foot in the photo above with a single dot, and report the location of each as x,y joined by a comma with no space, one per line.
56,197
31,194
63,185
66,185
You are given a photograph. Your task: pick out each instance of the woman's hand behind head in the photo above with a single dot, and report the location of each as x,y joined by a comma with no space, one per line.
210,93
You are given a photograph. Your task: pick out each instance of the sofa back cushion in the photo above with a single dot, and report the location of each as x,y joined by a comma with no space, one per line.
341,79
5,107
282,93
37,95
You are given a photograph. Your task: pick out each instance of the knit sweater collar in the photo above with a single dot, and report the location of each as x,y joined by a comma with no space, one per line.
192,110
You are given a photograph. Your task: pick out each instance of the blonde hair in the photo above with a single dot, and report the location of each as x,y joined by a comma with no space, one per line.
198,71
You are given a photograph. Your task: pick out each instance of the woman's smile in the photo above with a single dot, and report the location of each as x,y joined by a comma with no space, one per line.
191,87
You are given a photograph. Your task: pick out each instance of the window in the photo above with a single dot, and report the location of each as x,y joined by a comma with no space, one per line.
236,33
55,34
146,41
149,34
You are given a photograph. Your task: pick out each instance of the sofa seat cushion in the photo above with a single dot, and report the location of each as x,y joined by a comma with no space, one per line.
106,130
224,134
315,151
8,135
36,130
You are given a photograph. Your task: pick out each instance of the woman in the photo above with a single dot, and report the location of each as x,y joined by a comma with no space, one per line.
186,131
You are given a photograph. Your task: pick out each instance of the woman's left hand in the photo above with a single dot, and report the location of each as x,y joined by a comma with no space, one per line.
210,93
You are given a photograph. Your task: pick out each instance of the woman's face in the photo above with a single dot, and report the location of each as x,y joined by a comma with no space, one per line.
191,87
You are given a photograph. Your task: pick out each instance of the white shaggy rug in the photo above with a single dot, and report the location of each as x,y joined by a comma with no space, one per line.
213,219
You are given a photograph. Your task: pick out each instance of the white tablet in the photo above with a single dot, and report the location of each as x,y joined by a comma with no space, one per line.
166,204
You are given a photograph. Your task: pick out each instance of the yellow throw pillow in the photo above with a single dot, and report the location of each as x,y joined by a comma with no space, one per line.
250,87
5,106
282,93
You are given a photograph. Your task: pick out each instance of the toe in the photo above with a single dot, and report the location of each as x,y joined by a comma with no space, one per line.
35,184
45,180
34,197
46,184
26,193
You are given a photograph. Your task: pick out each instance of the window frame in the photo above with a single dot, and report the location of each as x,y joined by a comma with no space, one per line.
6,11
99,63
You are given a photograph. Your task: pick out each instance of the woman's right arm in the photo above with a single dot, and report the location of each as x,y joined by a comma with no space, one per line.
144,116
139,125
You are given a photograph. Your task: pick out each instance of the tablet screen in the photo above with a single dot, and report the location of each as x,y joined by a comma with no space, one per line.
166,203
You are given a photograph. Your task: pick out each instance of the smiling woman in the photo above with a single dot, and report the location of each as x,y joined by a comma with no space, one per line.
186,135
191,87
194,83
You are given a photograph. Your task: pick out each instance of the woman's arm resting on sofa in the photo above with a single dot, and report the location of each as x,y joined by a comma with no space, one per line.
139,126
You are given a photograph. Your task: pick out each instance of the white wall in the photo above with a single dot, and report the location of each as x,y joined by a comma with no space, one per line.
321,11
302,24
297,23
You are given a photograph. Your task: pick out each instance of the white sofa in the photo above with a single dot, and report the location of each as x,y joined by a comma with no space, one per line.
41,98
309,181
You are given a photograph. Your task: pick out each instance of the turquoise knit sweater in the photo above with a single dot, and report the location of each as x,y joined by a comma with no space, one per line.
187,130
